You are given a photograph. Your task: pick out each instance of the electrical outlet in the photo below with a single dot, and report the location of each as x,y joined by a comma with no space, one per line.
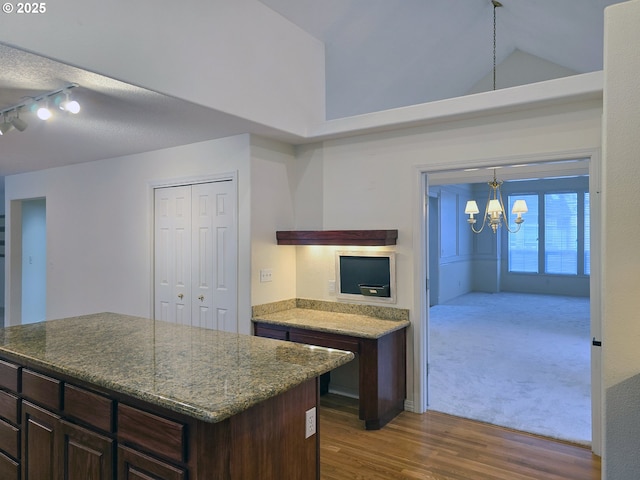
310,423
266,275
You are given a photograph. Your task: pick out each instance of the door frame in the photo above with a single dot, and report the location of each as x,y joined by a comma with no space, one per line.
421,294
177,182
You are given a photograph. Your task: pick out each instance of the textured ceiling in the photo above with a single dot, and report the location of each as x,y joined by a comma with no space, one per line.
116,118
380,54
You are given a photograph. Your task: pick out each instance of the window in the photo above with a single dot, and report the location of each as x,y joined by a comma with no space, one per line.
555,237
587,236
561,233
523,246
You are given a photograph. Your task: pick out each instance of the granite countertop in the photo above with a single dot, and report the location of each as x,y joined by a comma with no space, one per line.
206,374
351,324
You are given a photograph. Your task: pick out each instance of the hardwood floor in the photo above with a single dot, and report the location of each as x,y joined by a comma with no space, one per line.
436,446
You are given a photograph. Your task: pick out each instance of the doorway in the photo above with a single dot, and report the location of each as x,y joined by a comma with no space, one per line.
27,235
34,260
538,169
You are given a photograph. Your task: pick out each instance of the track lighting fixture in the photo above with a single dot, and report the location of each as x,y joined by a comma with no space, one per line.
40,106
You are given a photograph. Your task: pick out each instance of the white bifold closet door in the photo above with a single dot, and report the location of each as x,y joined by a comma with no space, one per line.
196,255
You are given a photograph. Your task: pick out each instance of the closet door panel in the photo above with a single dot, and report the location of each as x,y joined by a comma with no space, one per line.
173,254
225,260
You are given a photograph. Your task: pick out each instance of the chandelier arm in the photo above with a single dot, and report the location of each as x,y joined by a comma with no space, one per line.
505,214
478,231
486,214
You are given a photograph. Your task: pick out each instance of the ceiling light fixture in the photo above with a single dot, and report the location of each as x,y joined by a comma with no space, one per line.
40,106
494,211
496,4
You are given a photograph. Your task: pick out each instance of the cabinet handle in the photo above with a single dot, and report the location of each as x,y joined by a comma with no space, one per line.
180,296
201,298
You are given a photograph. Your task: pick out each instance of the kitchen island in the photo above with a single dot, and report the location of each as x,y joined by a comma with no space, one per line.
109,396
376,334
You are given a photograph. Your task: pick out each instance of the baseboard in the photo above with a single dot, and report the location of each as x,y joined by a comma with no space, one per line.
344,391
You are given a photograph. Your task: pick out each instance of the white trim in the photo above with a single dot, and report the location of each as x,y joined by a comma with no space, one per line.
420,327
595,278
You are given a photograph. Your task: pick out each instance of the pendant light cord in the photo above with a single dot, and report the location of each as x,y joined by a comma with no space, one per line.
496,4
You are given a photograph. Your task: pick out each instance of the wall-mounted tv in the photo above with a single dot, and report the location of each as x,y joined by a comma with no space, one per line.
366,276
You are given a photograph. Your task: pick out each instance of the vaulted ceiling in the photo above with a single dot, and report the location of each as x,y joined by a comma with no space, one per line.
383,54
380,54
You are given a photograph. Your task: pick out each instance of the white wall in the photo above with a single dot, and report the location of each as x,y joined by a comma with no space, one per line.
620,233
99,225
272,208
239,56
369,182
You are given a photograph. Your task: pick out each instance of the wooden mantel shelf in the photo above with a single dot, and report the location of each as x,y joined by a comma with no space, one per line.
337,237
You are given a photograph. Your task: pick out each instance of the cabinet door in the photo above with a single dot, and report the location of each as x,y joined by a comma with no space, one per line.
9,468
133,465
86,454
39,443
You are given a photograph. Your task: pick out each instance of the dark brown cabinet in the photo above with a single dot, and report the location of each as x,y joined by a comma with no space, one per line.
133,465
54,430
39,443
85,454
382,366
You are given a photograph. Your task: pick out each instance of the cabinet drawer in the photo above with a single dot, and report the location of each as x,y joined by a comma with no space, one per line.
88,407
329,340
9,407
134,465
10,376
9,469
155,434
9,439
278,333
41,389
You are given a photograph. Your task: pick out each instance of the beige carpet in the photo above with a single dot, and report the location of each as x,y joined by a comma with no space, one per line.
515,360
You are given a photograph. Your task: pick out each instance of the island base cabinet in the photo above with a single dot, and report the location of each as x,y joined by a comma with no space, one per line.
82,432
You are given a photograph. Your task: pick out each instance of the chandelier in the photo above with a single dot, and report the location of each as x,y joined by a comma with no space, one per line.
494,211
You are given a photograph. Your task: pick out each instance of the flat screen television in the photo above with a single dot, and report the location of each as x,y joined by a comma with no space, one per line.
366,276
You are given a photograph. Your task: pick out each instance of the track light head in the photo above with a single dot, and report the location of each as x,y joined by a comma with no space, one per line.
5,126
19,124
67,104
70,106
44,113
